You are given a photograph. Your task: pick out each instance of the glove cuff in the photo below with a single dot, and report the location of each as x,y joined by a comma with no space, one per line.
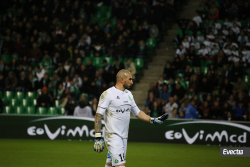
151,120
98,135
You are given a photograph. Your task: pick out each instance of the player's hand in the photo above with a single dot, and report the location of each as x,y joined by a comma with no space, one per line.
99,143
160,119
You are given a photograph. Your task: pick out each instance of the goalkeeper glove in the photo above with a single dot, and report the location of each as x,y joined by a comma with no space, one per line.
99,143
159,120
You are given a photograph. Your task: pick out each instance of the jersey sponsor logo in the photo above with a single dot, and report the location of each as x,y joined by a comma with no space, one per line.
125,101
123,110
117,97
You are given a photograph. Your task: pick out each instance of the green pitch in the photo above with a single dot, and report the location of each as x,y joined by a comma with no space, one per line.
46,153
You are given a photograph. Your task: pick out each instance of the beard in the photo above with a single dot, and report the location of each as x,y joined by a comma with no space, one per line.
126,86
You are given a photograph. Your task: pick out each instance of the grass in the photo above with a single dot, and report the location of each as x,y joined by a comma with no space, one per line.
59,153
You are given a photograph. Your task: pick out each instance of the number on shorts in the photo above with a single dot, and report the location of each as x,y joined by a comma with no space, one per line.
122,157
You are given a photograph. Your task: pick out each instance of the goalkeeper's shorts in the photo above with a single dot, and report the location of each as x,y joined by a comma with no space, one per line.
117,148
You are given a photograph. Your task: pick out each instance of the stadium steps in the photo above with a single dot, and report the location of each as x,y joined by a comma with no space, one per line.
164,52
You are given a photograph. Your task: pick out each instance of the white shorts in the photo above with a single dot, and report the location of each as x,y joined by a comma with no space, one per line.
117,148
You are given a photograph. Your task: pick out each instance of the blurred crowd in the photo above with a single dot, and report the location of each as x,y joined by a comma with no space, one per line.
209,77
45,45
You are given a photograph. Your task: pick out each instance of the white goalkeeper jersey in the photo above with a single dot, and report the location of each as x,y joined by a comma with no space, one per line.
116,106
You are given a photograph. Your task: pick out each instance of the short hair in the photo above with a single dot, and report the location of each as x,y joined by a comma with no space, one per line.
122,74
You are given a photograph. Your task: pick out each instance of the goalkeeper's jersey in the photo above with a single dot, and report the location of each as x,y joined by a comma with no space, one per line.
116,106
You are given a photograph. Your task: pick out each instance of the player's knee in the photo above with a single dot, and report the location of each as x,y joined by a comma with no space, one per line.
108,165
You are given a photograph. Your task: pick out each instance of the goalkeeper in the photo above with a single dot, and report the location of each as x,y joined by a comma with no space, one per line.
115,105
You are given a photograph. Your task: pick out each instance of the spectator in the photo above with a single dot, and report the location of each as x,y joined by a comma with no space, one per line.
191,112
241,86
181,110
142,49
154,31
171,108
225,109
83,110
155,109
179,91
213,12
150,100
216,111
35,53
23,82
153,89
94,106
77,81
11,81
2,82
44,82
164,94
45,99
185,100
130,67
239,112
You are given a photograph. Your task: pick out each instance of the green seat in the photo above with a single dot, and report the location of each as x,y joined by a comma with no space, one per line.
20,95
19,110
139,63
204,70
6,58
246,79
113,23
110,60
30,110
14,102
187,84
41,111
33,102
151,42
57,103
85,59
61,111
98,62
25,102
31,95
6,101
194,69
9,95
52,111
208,62
190,62
50,73
202,62
8,110
180,33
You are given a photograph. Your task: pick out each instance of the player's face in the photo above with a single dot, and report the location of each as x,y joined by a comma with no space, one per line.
128,82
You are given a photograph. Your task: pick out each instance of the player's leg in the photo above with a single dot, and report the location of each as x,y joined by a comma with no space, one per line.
108,161
125,151
115,146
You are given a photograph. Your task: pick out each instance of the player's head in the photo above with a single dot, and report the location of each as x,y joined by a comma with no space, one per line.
124,78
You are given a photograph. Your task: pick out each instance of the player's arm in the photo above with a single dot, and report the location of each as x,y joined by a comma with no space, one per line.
98,123
144,117
103,104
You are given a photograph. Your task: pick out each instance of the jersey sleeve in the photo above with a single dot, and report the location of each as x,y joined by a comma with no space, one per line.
135,110
104,102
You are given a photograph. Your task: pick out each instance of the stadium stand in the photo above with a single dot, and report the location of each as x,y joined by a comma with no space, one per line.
211,65
54,52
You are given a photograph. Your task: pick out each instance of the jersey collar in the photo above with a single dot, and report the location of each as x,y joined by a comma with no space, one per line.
120,90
